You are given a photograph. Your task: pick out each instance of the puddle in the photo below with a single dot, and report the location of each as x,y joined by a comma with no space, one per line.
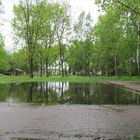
48,93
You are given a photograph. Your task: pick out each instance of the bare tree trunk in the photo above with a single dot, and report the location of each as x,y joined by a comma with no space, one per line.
47,70
138,50
31,67
62,68
129,69
115,60
41,68
61,59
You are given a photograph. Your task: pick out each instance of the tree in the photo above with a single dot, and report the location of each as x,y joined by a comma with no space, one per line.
82,26
48,29
19,59
3,56
62,21
39,26
80,57
129,16
26,27
80,52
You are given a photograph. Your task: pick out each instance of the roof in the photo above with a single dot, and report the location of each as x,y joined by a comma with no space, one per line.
16,69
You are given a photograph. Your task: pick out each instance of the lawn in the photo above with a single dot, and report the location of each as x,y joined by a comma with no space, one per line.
9,79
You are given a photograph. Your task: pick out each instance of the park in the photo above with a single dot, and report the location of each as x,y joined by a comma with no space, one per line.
67,75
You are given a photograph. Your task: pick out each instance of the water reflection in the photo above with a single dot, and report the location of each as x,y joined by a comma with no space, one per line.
47,93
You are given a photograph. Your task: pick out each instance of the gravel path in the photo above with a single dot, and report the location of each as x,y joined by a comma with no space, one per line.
74,122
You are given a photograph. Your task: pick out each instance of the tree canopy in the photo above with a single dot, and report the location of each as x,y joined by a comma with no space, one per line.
51,43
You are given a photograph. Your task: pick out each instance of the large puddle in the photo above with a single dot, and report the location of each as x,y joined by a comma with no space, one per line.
47,93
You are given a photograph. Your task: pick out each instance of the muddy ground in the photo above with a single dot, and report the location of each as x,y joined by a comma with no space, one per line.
73,122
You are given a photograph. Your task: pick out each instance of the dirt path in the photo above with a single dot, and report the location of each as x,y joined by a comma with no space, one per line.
74,122
128,84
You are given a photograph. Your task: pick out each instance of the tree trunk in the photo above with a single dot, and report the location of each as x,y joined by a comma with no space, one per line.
61,59
36,68
31,67
62,68
138,50
129,69
41,68
47,70
115,60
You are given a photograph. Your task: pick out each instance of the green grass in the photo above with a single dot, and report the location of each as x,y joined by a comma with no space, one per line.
9,79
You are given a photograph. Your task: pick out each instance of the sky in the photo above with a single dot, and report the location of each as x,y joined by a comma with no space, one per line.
77,6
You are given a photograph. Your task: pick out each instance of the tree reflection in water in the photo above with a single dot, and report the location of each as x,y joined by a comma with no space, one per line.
47,93
30,93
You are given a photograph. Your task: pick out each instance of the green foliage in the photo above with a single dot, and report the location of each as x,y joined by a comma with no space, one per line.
82,26
80,55
116,37
38,26
3,56
19,59
108,48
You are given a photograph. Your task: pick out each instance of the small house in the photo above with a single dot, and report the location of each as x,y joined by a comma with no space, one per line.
14,72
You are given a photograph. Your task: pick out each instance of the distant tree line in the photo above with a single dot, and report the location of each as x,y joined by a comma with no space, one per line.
49,39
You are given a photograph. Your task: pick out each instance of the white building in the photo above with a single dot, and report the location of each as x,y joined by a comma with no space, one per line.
55,68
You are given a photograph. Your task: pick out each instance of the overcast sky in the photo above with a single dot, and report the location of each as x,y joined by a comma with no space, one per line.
77,6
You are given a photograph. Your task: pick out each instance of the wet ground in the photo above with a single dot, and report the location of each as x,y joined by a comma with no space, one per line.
128,84
70,111
73,122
